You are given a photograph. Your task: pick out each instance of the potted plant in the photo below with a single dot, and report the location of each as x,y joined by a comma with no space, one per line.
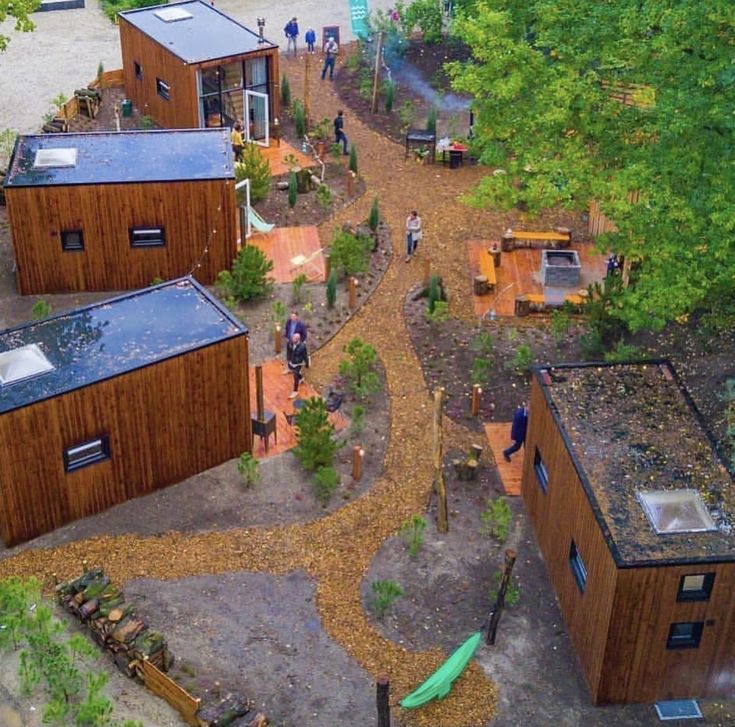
320,135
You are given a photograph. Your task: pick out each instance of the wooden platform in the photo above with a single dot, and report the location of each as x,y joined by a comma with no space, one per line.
276,388
520,272
498,437
276,154
283,244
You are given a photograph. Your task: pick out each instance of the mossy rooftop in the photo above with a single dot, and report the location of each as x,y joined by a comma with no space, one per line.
632,428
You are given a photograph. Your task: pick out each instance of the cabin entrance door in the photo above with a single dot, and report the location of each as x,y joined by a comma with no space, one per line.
256,117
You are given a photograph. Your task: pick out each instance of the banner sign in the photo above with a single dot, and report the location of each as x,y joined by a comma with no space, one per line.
358,17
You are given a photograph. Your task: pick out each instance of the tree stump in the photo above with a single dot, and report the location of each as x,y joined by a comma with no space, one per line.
522,306
303,180
480,285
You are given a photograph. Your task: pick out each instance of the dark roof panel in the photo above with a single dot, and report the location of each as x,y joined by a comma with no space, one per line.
207,35
125,157
117,336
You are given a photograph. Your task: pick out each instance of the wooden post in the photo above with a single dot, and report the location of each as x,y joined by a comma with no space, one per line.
475,401
497,609
352,284
427,272
277,339
259,393
374,104
626,272
357,456
442,519
475,452
307,93
382,694
85,566
327,265
350,182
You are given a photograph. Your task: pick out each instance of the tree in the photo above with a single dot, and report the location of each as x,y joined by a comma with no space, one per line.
360,368
552,117
254,166
249,277
315,435
350,254
21,10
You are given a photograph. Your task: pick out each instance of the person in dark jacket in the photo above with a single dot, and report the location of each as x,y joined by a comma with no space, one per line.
517,431
339,131
293,324
299,357
291,31
310,39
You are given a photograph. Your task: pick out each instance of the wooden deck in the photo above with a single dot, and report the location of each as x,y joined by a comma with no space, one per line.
498,437
284,243
519,273
276,154
276,388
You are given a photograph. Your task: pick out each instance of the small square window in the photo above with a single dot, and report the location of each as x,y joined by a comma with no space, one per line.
695,587
72,240
685,635
163,89
578,567
148,237
138,70
86,453
542,476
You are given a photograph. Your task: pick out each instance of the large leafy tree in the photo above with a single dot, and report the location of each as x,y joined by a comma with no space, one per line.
21,11
546,77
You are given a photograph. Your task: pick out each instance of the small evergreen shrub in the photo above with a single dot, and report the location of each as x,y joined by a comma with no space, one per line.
434,292
254,166
315,435
353,158
285,92
412,531
374,216
323,196
278,313
440,313
512,592
359,369
249,277
41,309
357,421
249,469
390,96
496,519
561,322
299,118
480,372
326,480
622,352
293,189
521,361
350,254
332,288
431,120
297,285
384,593
406,113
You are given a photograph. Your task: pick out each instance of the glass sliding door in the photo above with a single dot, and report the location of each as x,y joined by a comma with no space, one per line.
256,110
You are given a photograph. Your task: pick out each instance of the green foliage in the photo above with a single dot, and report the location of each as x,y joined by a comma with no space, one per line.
365,86
297,285
299,118
278,312
483,344
100,70
249,277
359,369
522,359
431,120
291,162
496,519
41,309
561,322
440,314
427,15
389,89
480,372
332,288
316,445
285,92
728,397
56,103
7,143
323,196
157,280
249,469
254,166
326,480
145,122
622,352
384,593
512,592
336,151
353,158
322,129
293,189
350,254
112,7
570,140
434,292
412,531
21,11
357,421
406,112
374,216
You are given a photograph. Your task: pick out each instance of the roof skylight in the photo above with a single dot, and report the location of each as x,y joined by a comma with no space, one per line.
46,158
676,511
171,15
22,363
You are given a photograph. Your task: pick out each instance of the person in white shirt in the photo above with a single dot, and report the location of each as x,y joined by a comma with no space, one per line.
413,233
330,56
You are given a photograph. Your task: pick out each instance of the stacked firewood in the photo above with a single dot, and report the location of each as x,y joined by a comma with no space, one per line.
113,623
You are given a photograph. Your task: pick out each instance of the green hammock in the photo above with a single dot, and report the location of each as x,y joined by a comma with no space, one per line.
438,685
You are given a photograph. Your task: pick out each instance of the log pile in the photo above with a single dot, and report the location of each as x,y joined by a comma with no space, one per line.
88,101
467,468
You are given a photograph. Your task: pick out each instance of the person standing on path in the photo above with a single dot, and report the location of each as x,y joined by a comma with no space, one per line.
339,131
299,356
330,56
310,39
293,324
413,233
292,32
517,431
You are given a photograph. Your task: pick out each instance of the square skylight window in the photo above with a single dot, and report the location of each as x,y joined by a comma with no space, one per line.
22,363
46,158
676,511
171,15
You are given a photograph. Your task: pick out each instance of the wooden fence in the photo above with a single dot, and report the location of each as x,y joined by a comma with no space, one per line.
109,79
598,223
166,688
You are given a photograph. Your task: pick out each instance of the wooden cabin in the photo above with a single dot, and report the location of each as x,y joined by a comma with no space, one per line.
116,400
189,65
633,511
115,211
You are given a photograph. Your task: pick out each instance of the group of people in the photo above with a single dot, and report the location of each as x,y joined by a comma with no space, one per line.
331,47
297,356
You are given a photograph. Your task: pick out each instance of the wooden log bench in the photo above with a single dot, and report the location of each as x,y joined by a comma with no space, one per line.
556,239
536,303
486,280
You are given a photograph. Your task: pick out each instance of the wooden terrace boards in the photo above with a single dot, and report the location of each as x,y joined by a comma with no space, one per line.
275,154
498,437
284,243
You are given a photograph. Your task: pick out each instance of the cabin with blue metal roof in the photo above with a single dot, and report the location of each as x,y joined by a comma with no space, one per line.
116,400
188,64
117,210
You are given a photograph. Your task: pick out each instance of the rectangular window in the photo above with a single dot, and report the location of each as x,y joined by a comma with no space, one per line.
81,455
578,567
147,237
72,240
695,587
685,635
540,469
138,71
163,89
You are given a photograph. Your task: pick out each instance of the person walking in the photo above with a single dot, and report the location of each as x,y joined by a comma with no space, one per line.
339,131
330,56
413,233
292,33
517,431
310,39
293,324
299,357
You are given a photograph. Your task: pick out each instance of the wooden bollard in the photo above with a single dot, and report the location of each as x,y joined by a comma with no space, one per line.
382,697
358,454
277,339
327,265
427,272
85,566
475,400
352,293
351,177
259,397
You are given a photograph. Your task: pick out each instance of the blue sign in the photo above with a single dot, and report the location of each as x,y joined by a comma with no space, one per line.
358,17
